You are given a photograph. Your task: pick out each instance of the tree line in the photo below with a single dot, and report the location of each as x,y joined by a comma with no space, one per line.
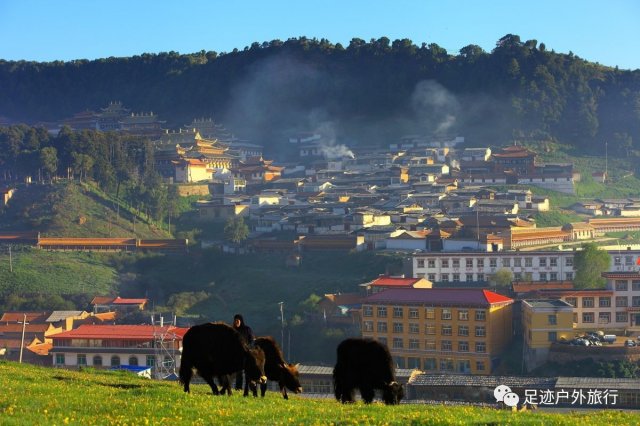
370,91
121,165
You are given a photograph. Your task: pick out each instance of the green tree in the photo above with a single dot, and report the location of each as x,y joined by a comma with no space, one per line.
49,160
589,263
236,230
502,278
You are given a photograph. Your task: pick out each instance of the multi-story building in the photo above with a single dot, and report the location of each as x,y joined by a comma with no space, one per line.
106,346
544,322
541,265
461,330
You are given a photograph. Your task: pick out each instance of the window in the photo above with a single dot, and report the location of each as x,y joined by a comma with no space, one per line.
431,263
481,331
413,362
414,344
397,327
480,277
463,330
133,360
573,301
367,326
446,364
587,317
430,313
430,345
445,263
446,330
604,317
430,329
622,317
628,260
553,276
429,363
446,314
617,260
82,359
150,361
506,262
469,278
493,263
382,327
97,361
456,278
517,262
553,262
568,276
420,263
481,347
587,302
635,301
481,315
431,277
445,278
414,328
621,301
542,262
528,262
552,336
413,312
604,302
445,346
115,361
469,263
382,311
455,263
552,319
480,263
621,285
575,317
463,314
635,285
480,365
568,261
382,340
517,276
543,276
59,359
463,346
398,343
398,312
367,311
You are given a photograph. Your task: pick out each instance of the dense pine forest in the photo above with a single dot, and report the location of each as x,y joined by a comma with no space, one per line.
366,93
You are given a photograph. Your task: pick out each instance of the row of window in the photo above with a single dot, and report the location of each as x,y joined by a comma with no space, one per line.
115,360
603,317
429,313
432,345
439,364
429,329
623,285
517,276
527,262
604,301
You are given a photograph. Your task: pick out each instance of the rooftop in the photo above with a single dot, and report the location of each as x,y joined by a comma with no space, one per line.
439,296
120,332
548,303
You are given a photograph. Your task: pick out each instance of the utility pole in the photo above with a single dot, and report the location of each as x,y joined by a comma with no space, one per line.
281,323
606,161
24,326
10,260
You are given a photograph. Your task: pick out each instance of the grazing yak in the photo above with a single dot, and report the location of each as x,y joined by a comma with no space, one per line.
277,369
367,365
217,350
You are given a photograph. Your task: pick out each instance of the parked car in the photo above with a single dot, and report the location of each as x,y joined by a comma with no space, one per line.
630,343
609,338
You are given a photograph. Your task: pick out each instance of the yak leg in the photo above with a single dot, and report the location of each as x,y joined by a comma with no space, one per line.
212,384
263,389
225,383
283,391
367,393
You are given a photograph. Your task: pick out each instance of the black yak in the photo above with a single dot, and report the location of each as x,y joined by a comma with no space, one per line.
277,369
217,350
367,365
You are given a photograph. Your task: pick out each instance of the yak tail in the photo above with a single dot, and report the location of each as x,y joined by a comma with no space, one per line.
186,370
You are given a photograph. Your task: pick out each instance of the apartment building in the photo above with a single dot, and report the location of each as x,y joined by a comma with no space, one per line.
470,266
446,330
544,322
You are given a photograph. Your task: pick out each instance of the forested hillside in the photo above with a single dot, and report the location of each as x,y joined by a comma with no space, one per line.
364,93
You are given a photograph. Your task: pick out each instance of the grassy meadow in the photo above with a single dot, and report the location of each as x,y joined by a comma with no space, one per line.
38,395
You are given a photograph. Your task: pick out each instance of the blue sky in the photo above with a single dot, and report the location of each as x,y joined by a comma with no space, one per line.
607,32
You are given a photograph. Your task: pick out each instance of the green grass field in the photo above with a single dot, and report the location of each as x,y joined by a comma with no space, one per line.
38,395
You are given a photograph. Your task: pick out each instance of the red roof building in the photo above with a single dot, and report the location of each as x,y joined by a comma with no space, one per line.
384,282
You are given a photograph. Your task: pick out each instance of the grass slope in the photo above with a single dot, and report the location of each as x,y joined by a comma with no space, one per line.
39,271
37,395
72,210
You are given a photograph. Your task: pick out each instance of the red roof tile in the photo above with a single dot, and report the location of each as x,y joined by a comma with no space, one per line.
394,282
119,332
32,317
120,301
439,296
